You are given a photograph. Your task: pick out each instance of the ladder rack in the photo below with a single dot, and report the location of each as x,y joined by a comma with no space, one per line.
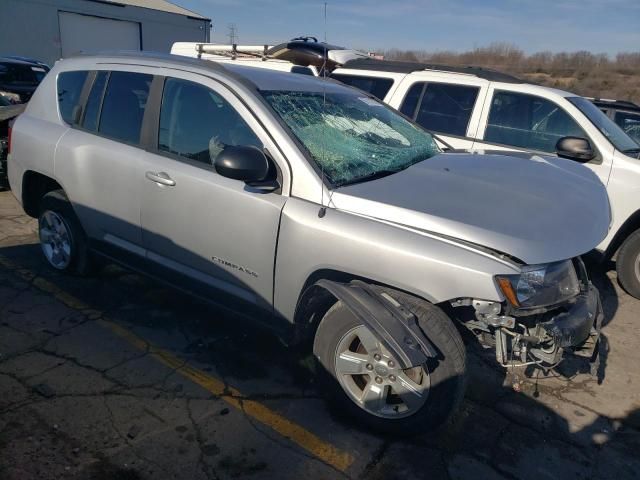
233,51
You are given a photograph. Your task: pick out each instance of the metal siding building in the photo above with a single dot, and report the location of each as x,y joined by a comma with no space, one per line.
47,30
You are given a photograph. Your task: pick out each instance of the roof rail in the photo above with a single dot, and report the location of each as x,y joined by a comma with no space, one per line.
615,103
106,56
408,67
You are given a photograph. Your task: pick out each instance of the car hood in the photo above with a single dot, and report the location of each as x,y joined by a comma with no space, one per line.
537,209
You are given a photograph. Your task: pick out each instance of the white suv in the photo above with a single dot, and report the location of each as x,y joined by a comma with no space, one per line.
474,108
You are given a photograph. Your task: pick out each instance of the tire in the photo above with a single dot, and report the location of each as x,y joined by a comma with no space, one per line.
59,228
628,266
446,374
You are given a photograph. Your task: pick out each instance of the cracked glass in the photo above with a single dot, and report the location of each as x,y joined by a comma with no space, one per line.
351,137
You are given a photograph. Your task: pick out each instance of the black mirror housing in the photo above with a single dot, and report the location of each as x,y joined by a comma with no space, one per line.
575,148
245,163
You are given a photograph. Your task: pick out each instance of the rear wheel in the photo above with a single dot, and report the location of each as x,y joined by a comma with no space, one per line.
362,378
62,239
628,264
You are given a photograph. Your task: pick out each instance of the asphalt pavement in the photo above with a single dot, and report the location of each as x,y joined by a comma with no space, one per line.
116,376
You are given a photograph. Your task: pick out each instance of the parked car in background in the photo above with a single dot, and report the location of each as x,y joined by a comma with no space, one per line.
626,114
8,111
19,78
478,109
320,212
28,59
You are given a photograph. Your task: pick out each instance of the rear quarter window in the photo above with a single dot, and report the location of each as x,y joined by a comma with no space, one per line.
69,88
376,86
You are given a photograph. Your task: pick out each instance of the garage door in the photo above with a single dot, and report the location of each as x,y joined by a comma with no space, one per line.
83,33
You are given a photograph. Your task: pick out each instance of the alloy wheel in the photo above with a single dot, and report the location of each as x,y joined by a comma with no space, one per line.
372,378
55,239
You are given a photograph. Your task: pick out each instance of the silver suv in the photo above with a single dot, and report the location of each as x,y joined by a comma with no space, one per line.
317,210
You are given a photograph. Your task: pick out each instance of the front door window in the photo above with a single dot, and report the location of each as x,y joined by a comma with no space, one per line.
529,122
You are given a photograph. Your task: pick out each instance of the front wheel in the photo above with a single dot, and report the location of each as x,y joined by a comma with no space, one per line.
628,264
362,378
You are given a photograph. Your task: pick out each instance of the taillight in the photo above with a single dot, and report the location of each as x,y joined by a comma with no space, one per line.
9,141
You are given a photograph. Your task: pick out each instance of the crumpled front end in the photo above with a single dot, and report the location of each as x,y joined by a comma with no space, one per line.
540,336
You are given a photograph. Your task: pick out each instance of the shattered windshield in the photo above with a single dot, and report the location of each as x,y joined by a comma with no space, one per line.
351,137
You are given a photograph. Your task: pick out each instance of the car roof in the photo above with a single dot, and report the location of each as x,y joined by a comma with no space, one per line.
260,78
409,67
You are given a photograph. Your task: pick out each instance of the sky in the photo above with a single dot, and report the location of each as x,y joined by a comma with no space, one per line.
599,26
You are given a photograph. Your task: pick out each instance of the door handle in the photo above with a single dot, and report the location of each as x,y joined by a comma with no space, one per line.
161,178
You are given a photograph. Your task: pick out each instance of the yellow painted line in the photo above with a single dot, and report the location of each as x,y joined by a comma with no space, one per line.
310,442
285,427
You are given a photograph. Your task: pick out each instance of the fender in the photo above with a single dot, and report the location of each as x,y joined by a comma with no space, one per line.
392,324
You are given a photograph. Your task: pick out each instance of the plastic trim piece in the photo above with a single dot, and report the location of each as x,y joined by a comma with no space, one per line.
395,326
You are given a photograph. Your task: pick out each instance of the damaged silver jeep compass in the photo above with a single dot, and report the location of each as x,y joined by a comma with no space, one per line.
317,210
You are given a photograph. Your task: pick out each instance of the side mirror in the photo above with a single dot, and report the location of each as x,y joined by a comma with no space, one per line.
248,164
575,148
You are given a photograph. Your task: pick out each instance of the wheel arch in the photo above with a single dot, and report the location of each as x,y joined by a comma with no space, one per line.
630,225
314,300
36,185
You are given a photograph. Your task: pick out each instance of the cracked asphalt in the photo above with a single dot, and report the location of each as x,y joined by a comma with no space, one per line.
118,377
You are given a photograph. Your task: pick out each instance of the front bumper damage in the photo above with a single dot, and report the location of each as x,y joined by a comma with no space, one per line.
575,331
580,324
541,338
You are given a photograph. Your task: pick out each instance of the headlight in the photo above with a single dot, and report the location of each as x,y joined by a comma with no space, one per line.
540,285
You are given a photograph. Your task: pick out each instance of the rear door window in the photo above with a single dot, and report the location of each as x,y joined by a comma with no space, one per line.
69,89
441,107
528,121
123,107
376,86
197,123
